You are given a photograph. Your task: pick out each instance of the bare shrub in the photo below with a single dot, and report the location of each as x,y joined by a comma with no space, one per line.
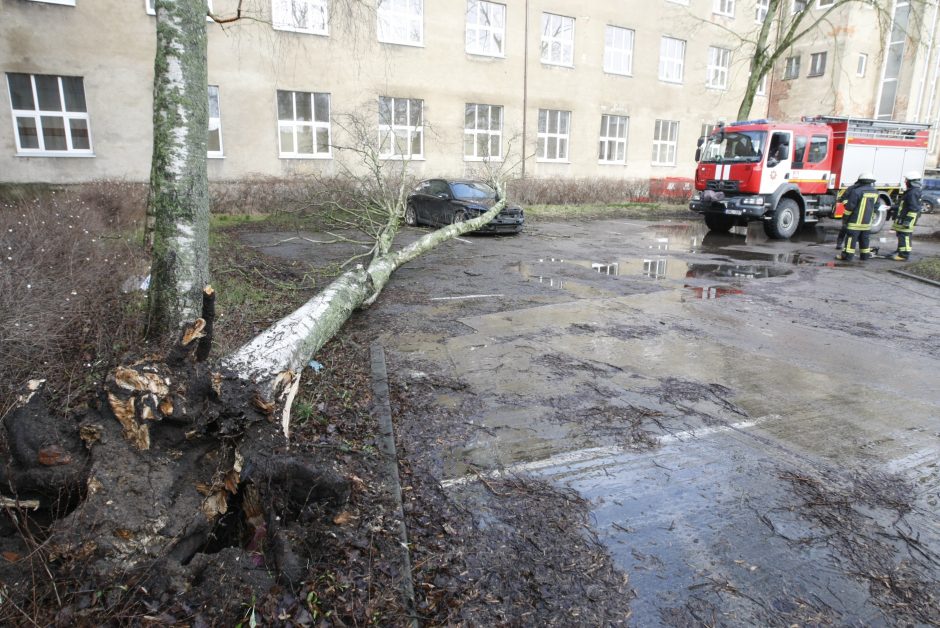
66,254
261,195
577,191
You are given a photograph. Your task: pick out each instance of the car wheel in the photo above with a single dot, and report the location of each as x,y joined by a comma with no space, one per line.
927,206
459,216
719,222
785,221
411,216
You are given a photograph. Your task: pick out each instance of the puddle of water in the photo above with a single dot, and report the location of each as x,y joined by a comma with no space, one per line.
736,271
713,292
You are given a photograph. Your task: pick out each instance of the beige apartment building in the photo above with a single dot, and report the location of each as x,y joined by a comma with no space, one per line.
598,88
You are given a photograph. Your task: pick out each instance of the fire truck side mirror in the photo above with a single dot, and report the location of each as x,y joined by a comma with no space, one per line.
700,141
698,154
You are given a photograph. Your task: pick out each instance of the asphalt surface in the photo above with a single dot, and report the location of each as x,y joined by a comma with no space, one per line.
756,426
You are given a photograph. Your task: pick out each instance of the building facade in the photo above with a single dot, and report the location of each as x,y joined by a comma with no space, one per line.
551,88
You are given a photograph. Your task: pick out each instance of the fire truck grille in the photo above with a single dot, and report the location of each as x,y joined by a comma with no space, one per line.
723,186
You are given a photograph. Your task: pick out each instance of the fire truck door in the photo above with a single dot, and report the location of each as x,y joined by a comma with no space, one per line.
778,161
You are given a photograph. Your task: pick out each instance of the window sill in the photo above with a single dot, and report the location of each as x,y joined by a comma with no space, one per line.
564,162
624,74
485,54
57,153
409,44
669,81
656,165
716,88
401,158
302,31
815,75
65,3
729,16
493,160
611,163
294,156
215,156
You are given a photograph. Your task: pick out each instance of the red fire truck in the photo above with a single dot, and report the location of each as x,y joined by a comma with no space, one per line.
788,174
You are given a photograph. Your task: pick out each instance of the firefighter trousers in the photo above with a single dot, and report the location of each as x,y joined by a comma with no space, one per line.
856,241
904,231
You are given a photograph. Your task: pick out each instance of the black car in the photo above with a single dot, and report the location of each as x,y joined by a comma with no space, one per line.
930,195
439,202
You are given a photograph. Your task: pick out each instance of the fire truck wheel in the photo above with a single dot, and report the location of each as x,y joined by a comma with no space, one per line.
878,220
785,221
719,222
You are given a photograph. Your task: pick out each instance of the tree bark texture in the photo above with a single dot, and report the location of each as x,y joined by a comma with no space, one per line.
178,206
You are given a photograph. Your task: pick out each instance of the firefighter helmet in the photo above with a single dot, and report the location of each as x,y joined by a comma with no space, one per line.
913,175
866,176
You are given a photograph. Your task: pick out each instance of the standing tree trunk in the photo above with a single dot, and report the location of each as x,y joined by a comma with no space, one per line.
178,207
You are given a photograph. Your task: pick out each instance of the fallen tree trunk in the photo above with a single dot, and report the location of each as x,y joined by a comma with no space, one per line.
182,457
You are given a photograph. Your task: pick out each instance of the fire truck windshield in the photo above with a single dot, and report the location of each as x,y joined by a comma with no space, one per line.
737,146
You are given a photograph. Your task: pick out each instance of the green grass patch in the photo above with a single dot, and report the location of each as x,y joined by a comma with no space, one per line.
928,268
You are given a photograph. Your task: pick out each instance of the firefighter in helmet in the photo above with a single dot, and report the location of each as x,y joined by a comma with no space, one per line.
861,202
906,213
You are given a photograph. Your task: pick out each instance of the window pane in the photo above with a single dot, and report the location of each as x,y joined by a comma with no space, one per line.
21,91
214,101
469,117
540,147
552,148
416,143
482,145
468,144
323,140
305,140
495,150
53,133
385,110
29,137
416,112
401,111
496,119
322,105
215,141
79,130
542,120
285,105
74,93
287,139
304,111
47,90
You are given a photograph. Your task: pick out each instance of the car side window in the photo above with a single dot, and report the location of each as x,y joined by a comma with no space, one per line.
422,188
439,187
800,150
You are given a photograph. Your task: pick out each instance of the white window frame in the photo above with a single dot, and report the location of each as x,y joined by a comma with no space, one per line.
294,125
400,22
215,122
37,114
553,119
719,65
820,4
390,129
760,11
66,3
814,58
149,8
794,6
486,23
861,66
618,50
557,40
671,65
685,2
791,68
723,7
301,16
762,86
665,142
613,143
481,128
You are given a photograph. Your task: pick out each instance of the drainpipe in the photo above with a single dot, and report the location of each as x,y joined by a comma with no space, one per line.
923,79
525,85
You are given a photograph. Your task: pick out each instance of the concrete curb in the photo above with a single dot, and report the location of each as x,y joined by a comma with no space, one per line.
917,277
383,412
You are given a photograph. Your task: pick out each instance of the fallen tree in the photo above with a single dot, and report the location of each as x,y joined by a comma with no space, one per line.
184,456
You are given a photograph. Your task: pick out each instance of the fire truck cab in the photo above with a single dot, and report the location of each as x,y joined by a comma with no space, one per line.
788,174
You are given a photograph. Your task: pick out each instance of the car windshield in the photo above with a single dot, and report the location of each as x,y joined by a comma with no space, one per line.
472,190
734,146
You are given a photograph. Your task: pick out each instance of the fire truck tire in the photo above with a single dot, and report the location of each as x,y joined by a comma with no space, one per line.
878,221
720,222
785,221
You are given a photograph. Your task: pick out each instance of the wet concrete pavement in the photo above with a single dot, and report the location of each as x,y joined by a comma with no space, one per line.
756,426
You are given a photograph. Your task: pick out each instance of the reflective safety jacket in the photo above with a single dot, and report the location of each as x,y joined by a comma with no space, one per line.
860,204
908,210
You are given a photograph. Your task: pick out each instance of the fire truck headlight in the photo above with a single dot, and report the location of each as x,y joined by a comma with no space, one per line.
753,200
